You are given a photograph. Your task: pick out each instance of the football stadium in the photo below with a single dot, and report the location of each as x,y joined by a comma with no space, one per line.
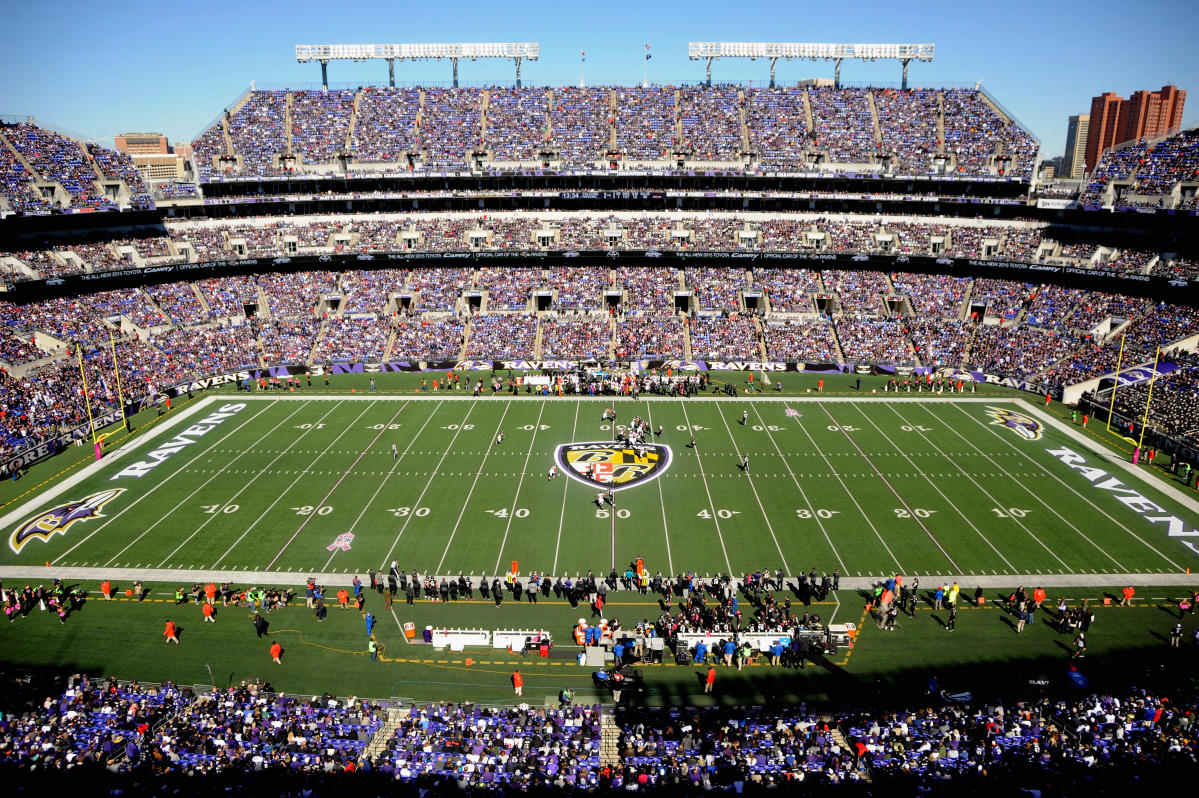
448,438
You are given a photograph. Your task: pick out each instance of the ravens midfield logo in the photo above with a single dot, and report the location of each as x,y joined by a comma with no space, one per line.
613,466
58,519
1027,428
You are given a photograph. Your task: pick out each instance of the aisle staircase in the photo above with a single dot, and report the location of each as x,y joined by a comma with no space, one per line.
203,300
941,122
741,115
537,338
609,740
381,738
353,120
287,105
878,128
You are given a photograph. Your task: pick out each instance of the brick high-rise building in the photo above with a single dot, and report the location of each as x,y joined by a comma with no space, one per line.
142,144
1115,120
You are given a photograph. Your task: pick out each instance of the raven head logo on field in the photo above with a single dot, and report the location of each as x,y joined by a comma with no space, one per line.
1024,426
57,520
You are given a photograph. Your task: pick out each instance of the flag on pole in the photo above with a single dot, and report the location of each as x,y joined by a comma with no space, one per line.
583,55
648,54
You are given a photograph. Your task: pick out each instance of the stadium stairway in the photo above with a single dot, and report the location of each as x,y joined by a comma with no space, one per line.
686,340
201,299
678,122
353,120
21,158
289,99
609,740
807,110
225,134
264,305
537,339
744,125
878,129
941,122
381,738
612,118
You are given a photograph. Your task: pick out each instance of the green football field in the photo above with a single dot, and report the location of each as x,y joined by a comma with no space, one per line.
931,485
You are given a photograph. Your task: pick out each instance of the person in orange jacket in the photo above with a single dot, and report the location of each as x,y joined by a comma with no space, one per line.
518,683
1128,594
277,653
169,633
106,589
710,679
209,610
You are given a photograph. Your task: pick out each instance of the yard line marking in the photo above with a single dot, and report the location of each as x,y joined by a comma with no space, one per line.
425,490
757,498
566,483
941,493
1019,522
848,492
340,479
515,499
711,503
886,482
165,481
243,490
387,475
1071,488
469,493
649,414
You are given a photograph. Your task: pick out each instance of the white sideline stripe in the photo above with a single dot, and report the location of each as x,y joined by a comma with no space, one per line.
188,497
382,483
283,492
574,429
802,493
1035,498
879,473
708,490
296,578
833,469
1044,417
940,492
483,464
462,396
87,471
408,520
757,498
515,499
649,415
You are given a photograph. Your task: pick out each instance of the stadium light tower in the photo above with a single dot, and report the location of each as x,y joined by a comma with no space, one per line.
904,53
324,53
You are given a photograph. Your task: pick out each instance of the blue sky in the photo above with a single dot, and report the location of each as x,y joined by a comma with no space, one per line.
100,69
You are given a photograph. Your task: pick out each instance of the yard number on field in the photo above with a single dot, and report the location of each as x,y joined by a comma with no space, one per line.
1009,512
621,513
308,509
915,428
400,512
213,509
841,428
820,513
915,512
721,513
519,512
459,426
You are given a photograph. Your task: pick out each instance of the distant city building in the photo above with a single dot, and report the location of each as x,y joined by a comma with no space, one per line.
1115,120
1074,161
142,144
159,167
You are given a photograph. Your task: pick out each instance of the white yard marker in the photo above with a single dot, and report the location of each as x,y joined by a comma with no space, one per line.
752,487
711,503
242,490
565,484
515,499
941,493
483,464
417,503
